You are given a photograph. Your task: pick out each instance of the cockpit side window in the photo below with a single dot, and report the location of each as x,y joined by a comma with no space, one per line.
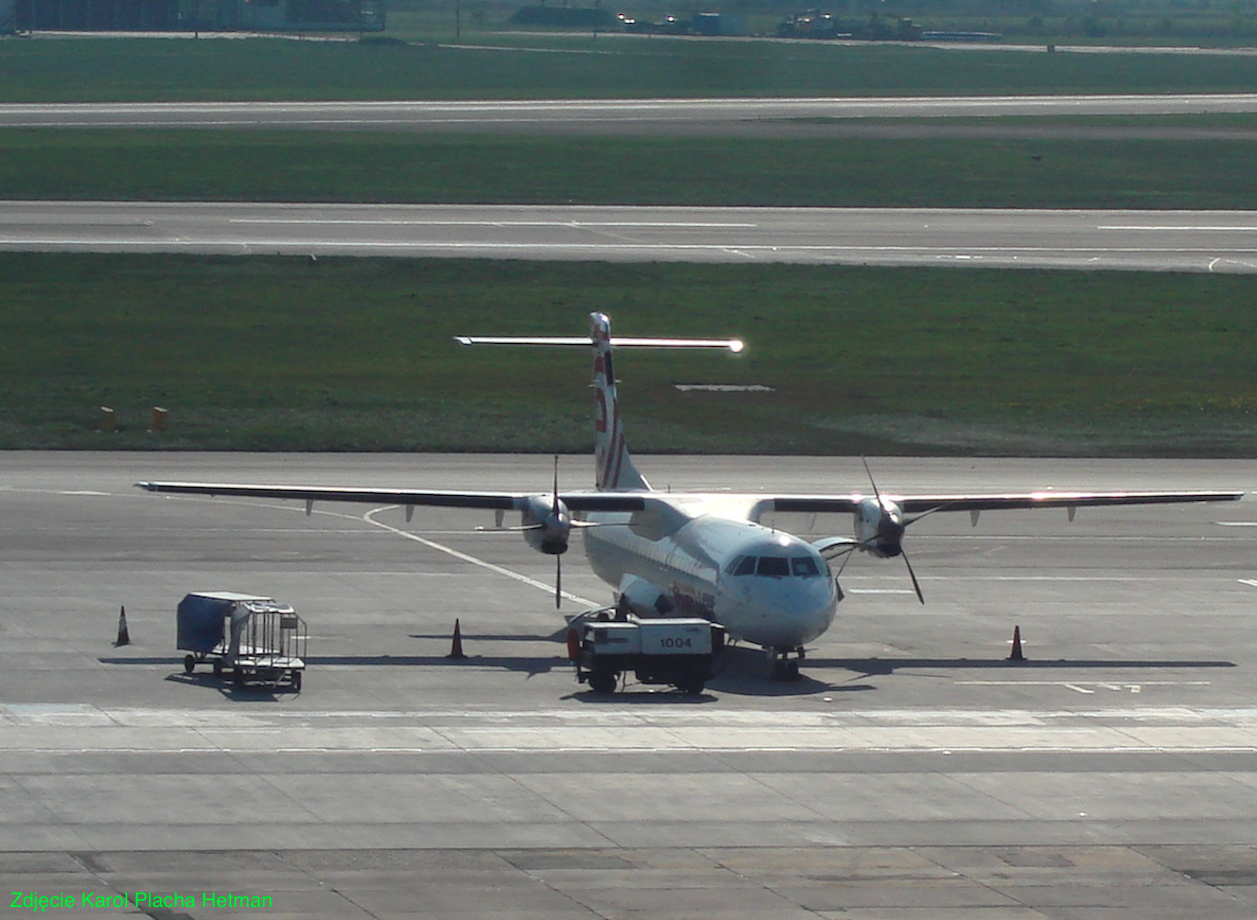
804,566
743,565
777,566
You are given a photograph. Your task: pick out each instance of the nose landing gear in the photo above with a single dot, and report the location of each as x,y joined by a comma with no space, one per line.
781,666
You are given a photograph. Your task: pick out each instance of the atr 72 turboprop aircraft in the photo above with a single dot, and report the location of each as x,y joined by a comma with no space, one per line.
690,553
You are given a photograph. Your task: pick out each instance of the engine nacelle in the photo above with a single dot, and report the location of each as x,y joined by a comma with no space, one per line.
547,524
643,598
879,527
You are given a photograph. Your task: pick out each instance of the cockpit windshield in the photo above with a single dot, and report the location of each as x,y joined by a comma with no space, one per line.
775,566
804,566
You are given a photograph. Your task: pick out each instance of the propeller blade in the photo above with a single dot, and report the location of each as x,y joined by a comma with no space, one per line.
555,505
943,507
876,491
558,582
902,529
847,556
913,576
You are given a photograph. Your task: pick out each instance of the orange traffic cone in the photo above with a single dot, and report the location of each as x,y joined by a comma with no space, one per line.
1016,654
124,637
456,648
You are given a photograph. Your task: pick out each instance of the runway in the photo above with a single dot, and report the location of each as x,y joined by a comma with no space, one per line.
1205,241
585,116
913,772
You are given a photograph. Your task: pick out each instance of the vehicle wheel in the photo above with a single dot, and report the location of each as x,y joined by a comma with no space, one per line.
218,668
296,681
603,681
691,687
189,663
238,677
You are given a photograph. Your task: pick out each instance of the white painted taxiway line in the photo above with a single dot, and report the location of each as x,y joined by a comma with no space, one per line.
369,517
88,730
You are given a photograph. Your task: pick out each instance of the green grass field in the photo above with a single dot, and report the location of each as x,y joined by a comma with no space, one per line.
575,66
356,354
850,172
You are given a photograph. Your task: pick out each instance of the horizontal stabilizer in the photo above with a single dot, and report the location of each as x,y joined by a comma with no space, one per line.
734,345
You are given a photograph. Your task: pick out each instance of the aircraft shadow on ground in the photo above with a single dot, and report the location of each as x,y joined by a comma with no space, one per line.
740,671
743,671
524,664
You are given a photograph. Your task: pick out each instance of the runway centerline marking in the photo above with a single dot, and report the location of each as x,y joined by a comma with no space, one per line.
701,225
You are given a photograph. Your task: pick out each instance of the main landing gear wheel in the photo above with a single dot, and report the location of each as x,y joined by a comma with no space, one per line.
785,669
189,664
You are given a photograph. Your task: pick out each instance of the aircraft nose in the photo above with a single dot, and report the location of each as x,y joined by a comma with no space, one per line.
805,614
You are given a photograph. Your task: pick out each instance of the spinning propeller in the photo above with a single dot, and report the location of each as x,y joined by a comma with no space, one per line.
880,527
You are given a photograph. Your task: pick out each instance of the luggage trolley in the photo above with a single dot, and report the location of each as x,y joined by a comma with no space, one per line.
257,638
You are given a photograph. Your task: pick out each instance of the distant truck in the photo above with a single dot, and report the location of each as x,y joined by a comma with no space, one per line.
679,651
817,24
255,637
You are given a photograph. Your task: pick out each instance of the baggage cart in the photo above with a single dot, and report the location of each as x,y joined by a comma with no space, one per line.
256,638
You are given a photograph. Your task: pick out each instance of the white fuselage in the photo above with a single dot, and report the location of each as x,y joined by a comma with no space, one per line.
704,556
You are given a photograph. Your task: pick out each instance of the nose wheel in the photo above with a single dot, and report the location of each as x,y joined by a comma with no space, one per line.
781,666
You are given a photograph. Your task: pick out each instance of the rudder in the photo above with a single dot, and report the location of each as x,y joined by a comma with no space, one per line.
613,466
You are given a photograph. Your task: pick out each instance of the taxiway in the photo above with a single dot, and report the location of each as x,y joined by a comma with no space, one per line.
913,772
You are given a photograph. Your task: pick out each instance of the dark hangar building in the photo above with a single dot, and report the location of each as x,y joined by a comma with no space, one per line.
189,15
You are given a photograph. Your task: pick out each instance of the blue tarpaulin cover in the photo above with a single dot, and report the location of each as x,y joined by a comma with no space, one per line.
200,619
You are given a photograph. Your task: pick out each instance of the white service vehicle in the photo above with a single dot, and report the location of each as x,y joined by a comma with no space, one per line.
678,651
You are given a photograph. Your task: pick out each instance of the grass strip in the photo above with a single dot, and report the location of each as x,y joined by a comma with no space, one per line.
356,354
846,172
127,70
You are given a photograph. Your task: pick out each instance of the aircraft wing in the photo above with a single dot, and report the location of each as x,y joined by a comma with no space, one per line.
926,504
501,501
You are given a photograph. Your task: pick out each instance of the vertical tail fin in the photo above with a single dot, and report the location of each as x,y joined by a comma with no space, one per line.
613,467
